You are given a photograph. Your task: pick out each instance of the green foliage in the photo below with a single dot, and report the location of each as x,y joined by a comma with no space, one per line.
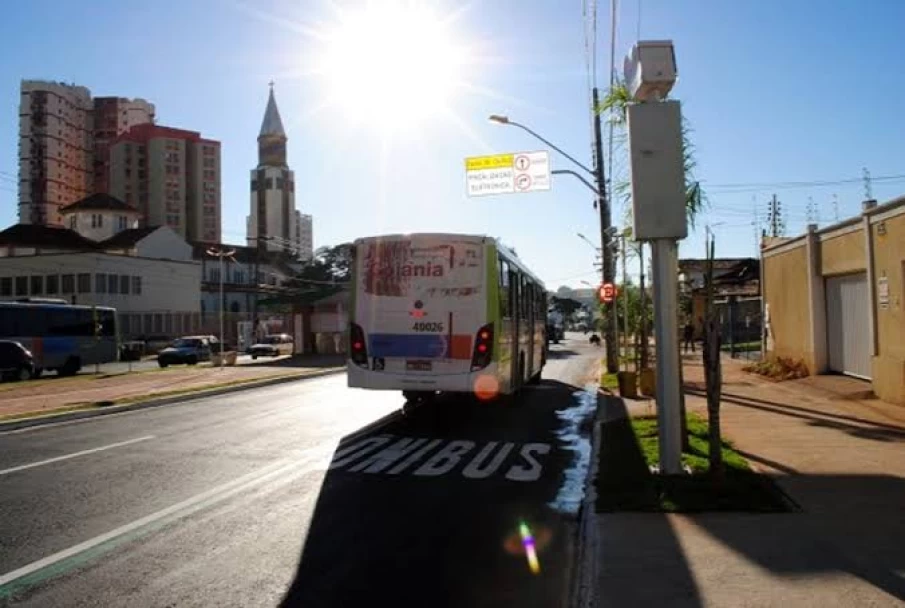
330,264
633,293
567,306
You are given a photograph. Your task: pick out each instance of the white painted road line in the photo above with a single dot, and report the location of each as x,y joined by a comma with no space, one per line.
74,455
181,509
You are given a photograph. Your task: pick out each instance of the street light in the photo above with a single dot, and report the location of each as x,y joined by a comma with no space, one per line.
612,361
222,254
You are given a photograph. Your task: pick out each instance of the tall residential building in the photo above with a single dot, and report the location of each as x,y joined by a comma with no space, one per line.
55,149
63,141
112,117
305,237
274,220
172,176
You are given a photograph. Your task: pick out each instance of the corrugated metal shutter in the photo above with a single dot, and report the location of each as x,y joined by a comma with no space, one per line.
848,325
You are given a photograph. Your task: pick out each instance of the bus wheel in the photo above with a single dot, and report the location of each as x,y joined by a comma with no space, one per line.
535,379
24,374
37,373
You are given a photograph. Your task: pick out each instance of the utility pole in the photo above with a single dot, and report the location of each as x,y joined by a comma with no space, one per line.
603,207
220,253
774,218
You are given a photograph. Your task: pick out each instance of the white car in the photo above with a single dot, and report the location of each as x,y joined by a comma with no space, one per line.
272,346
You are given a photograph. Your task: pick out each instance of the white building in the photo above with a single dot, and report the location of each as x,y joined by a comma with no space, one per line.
148,274
99,217
273,222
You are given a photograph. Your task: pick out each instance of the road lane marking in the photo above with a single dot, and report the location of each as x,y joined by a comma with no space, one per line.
375,454
40,463
53,565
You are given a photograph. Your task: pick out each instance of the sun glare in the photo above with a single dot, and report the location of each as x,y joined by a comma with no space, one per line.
391,65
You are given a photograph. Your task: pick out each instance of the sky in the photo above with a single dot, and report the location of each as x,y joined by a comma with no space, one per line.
782,99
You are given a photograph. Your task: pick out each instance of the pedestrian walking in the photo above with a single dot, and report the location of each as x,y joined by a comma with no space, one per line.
688,335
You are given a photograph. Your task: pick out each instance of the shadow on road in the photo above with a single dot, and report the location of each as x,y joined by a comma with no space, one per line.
427,510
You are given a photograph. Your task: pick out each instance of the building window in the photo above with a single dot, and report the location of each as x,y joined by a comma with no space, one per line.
136,285
37,285
215,274
21,286
72,221
84,282
124,284
254,185
112,284
238,276
279,183
6,286
68,283
100,283
268,183
53,284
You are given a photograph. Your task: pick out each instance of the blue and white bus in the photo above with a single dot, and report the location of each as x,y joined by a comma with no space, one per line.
61,337
444,313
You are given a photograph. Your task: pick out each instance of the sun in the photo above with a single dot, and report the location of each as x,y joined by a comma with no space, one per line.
391,65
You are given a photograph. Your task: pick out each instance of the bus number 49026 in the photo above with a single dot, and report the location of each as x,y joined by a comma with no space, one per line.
426,326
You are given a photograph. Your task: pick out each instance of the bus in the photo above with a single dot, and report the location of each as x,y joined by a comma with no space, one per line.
61,337
444,313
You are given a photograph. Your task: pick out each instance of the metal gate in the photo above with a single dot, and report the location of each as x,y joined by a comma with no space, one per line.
848,325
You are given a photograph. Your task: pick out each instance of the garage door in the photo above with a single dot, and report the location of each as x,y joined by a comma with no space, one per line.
848,324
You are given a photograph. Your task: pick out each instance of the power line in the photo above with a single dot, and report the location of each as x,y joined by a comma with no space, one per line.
753,186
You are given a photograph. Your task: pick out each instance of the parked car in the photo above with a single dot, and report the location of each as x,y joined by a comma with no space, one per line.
273,345
189,350
16,362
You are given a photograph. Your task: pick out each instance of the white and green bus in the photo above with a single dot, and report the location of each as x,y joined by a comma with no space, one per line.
444,313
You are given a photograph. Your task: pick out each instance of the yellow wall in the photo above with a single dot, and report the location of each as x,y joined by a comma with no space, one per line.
786,292
843,254
889,365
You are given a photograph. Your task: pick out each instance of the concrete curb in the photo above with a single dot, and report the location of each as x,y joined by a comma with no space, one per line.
14,425
584,584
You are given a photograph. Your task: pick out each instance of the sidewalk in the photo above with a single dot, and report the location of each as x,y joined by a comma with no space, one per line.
51,394
841,458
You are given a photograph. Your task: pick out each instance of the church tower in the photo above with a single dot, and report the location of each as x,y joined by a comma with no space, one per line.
274,223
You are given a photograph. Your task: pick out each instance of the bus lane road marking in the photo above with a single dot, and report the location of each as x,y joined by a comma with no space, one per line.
421,457
39,463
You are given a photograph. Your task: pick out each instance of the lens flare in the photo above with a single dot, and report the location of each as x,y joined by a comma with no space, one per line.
486,387
530,549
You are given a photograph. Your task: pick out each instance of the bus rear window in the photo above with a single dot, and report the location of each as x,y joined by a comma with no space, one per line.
429,268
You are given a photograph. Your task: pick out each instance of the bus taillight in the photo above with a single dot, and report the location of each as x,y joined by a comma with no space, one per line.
483,348
357,343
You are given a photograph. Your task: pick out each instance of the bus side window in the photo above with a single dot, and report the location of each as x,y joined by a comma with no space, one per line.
504,288
514,294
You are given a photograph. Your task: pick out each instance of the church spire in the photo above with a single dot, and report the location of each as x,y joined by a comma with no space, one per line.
272,138
272,126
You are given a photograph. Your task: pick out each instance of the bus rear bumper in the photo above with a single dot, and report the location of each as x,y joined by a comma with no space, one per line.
359,377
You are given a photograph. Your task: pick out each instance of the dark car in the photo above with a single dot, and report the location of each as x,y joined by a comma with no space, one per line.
16,362
190,350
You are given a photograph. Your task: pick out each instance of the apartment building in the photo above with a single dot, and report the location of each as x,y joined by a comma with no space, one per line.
172,176
63,140
112,117
55,149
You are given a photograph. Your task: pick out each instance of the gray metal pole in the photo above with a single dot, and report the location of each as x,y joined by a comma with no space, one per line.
222,256
625,333
664,257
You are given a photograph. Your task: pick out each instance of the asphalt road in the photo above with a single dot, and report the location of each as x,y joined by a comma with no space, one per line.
302,494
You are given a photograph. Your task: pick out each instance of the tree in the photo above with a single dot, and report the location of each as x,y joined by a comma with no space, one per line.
713,376
330,265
